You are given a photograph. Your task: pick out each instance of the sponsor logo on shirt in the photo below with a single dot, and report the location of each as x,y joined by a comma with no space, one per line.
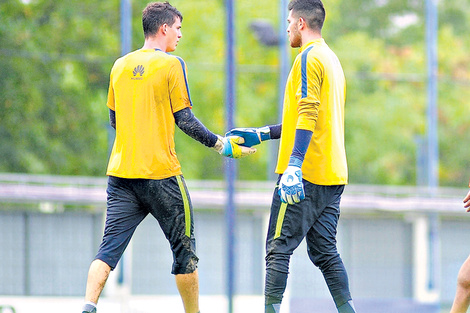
138,71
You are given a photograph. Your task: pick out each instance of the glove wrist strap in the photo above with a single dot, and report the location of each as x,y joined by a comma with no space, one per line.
219,144
293,161
265,133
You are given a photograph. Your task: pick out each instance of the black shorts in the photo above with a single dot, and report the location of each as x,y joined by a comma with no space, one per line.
131,200
314,218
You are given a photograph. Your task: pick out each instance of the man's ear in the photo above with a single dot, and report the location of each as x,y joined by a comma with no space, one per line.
164,28
302,23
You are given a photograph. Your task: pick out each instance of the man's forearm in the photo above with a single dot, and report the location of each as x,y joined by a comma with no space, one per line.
275,131
191,126
112,118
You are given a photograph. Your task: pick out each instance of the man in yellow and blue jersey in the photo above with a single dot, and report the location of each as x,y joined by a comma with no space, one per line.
148,94
311,162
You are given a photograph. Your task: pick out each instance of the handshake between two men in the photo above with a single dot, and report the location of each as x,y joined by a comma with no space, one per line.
238,143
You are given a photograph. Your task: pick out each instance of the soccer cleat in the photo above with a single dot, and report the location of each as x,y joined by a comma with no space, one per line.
86,310
348,307
272,308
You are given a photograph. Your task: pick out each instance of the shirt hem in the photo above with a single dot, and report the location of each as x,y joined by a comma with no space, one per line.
323,183
144,176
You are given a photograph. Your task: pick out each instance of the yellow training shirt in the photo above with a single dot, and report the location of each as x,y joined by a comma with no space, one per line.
146,87
314,100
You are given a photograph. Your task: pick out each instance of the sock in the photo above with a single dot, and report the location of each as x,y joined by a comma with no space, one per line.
89,307
272,308
348,307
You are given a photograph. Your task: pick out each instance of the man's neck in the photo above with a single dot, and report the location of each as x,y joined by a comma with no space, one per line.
310,36
154,43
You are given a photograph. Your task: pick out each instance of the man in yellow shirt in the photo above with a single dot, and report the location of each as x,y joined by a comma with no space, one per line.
148,94
311,161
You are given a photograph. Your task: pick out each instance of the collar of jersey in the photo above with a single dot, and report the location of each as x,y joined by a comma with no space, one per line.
318,41
151,50
148,50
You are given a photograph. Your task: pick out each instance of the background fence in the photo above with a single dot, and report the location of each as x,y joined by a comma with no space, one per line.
51,228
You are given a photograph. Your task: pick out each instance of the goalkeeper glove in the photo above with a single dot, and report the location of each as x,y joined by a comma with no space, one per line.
291,188
230,147
252,136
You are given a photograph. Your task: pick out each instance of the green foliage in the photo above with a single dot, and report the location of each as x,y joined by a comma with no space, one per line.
53,66
55,59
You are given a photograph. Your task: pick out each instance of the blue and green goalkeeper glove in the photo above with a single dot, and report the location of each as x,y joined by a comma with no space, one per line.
252,136
230,146
291,188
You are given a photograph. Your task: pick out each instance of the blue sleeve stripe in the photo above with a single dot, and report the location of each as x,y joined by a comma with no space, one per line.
185,78
304,71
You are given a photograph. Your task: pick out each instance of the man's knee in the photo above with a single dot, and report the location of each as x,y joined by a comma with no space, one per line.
463,280
186,265
100,266
325,261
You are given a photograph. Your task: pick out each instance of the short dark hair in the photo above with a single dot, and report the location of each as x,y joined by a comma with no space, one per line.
312,11
156,14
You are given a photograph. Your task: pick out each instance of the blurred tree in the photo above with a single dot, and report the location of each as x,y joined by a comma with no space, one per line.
385,65
55,59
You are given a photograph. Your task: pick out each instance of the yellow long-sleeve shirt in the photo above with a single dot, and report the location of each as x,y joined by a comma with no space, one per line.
314,100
